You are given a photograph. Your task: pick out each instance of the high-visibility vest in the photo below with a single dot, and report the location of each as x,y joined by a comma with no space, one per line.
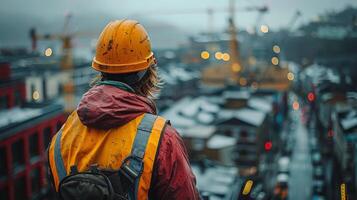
78,145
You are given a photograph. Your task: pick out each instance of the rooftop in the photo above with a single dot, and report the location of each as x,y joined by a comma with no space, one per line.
18,119
247,115
217,180
350,120
261,104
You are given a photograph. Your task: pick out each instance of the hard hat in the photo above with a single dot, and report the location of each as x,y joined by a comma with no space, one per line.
123,47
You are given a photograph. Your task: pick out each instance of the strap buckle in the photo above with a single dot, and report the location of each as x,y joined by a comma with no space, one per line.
132,167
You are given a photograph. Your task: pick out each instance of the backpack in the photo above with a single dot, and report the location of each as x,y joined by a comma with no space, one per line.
99,184
103,184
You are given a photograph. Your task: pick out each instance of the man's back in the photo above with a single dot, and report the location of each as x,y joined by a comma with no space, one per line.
106,122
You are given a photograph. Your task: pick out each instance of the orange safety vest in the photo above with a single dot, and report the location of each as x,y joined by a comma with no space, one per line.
137,141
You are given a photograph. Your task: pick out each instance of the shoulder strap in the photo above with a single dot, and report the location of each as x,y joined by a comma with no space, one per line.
133,165
58,157
142,135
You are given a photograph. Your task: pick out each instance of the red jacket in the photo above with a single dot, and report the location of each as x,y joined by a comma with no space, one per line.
106,106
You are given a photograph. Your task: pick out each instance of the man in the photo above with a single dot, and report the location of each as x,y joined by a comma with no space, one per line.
115,128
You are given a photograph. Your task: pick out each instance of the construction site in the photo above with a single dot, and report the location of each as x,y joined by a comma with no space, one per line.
262,94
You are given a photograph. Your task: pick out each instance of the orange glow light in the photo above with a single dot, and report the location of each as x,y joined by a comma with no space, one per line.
296,105
218,55
204,55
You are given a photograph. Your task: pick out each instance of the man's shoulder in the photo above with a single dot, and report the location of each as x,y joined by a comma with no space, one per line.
170,139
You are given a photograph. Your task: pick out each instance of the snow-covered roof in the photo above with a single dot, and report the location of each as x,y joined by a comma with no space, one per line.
192,111
177,119
221,141
261,104
17,115
241,94
201,132
350,121
215,180
317,73
247,115
205,118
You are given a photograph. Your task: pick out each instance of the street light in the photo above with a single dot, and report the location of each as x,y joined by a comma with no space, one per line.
205,55
236,67
243,81
218,55
264,28
48,52
226,57
276,49
290,76
275,60
36,95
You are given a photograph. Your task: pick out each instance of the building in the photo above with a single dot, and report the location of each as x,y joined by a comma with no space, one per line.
12,91
26,128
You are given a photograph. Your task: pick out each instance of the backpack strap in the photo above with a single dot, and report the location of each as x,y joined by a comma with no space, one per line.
132,166
61,171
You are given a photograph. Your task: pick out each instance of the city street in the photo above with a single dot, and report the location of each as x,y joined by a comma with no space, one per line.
300,182
223,100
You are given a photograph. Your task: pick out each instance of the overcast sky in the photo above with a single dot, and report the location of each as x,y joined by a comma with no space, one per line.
279,15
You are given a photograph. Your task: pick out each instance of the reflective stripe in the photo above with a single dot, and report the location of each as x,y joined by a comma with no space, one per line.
142,135
58,157
139,146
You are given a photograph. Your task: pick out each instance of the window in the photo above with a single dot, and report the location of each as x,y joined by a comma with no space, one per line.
35,181
20,188
33,140
4,193
3,102
18,158
18,99
3,168
244,134
46,137
227,133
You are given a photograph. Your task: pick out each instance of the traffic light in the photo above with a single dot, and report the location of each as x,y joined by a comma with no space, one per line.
268,145
311,96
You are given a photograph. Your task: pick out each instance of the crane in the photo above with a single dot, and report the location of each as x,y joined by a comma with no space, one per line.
208,11
293,20
66,62
65,37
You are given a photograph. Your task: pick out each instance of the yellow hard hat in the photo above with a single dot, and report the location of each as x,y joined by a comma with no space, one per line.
123,47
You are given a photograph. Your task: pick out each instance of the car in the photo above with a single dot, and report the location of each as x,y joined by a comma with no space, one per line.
314,146
318,197
282,186
318,187
318,172
283,165
316,158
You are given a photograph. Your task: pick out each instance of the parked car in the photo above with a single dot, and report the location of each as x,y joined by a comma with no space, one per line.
316,158
318,172
318,187
282,186
283,165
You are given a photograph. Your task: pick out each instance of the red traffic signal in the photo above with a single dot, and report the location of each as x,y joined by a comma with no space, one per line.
268,145
311,96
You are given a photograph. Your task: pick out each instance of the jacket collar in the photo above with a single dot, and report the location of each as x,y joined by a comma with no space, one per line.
117,84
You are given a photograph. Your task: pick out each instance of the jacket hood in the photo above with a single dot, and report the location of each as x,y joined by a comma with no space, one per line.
107,106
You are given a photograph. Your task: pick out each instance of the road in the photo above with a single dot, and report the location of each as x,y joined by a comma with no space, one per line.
300,182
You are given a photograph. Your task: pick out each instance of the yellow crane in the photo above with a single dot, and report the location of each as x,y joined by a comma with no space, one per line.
66,62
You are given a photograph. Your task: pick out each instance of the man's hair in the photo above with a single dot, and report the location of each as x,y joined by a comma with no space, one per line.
148,86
